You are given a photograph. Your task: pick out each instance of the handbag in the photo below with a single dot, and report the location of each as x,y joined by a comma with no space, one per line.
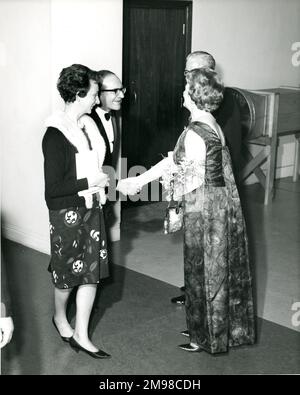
173,221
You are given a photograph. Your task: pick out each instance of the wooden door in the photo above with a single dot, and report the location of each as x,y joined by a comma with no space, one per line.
157,38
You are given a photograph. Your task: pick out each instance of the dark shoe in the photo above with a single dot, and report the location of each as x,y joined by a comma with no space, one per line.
95,354
65,339
190,348
185,333
178,299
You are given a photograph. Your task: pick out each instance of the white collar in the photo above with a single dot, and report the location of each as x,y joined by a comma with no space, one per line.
69,128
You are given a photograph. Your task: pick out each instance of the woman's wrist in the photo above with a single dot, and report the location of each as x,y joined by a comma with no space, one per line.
140,180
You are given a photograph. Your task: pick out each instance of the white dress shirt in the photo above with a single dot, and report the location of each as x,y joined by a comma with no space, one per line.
107,124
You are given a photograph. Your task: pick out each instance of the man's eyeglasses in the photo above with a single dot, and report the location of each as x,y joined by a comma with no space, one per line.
116,90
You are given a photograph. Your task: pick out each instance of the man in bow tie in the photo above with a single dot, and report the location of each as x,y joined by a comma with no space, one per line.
105,115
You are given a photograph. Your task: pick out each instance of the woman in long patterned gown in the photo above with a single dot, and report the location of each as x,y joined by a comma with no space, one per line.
219,303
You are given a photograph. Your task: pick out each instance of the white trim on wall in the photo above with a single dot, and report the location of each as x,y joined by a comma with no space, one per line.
39,242
27,238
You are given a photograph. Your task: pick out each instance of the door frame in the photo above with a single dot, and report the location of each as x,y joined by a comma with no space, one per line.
187,5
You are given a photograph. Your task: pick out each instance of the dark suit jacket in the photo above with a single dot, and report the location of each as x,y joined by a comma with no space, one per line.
5,299
229,118
110,158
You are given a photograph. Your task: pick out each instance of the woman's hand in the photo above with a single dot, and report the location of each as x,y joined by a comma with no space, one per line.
99,180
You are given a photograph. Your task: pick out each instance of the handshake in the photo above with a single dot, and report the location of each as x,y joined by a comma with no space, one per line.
129,186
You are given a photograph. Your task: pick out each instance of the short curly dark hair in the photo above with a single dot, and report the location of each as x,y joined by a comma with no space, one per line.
205,88
74,80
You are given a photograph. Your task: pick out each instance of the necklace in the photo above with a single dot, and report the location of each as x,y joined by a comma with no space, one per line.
87,137
80,126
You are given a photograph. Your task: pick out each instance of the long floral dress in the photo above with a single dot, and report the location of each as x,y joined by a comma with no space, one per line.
219,304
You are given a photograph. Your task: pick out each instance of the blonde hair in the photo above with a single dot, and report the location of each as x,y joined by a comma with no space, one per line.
205,88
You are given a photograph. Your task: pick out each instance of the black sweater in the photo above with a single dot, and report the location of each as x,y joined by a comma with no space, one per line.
61,184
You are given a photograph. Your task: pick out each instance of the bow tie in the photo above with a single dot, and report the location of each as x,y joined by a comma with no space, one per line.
107,116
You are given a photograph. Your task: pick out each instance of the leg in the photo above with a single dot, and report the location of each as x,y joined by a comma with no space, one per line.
296,160
84,302
61,297
271,170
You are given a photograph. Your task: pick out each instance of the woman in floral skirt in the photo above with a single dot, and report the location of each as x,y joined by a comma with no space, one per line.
72,191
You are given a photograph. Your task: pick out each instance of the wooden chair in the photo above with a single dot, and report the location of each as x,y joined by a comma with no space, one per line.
267,115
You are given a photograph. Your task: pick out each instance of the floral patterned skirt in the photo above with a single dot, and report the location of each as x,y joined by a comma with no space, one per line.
78,246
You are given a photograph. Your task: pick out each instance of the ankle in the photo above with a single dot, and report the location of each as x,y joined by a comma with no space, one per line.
80,338
60,319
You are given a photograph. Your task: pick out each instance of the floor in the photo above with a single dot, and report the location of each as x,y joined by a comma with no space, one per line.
133,318
274,239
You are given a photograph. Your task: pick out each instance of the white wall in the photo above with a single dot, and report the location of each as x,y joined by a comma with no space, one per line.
87,32
38,39
251,41
25,102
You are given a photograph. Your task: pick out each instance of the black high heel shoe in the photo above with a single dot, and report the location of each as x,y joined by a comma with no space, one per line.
190,348
65,339
185,333
95,354
178,300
